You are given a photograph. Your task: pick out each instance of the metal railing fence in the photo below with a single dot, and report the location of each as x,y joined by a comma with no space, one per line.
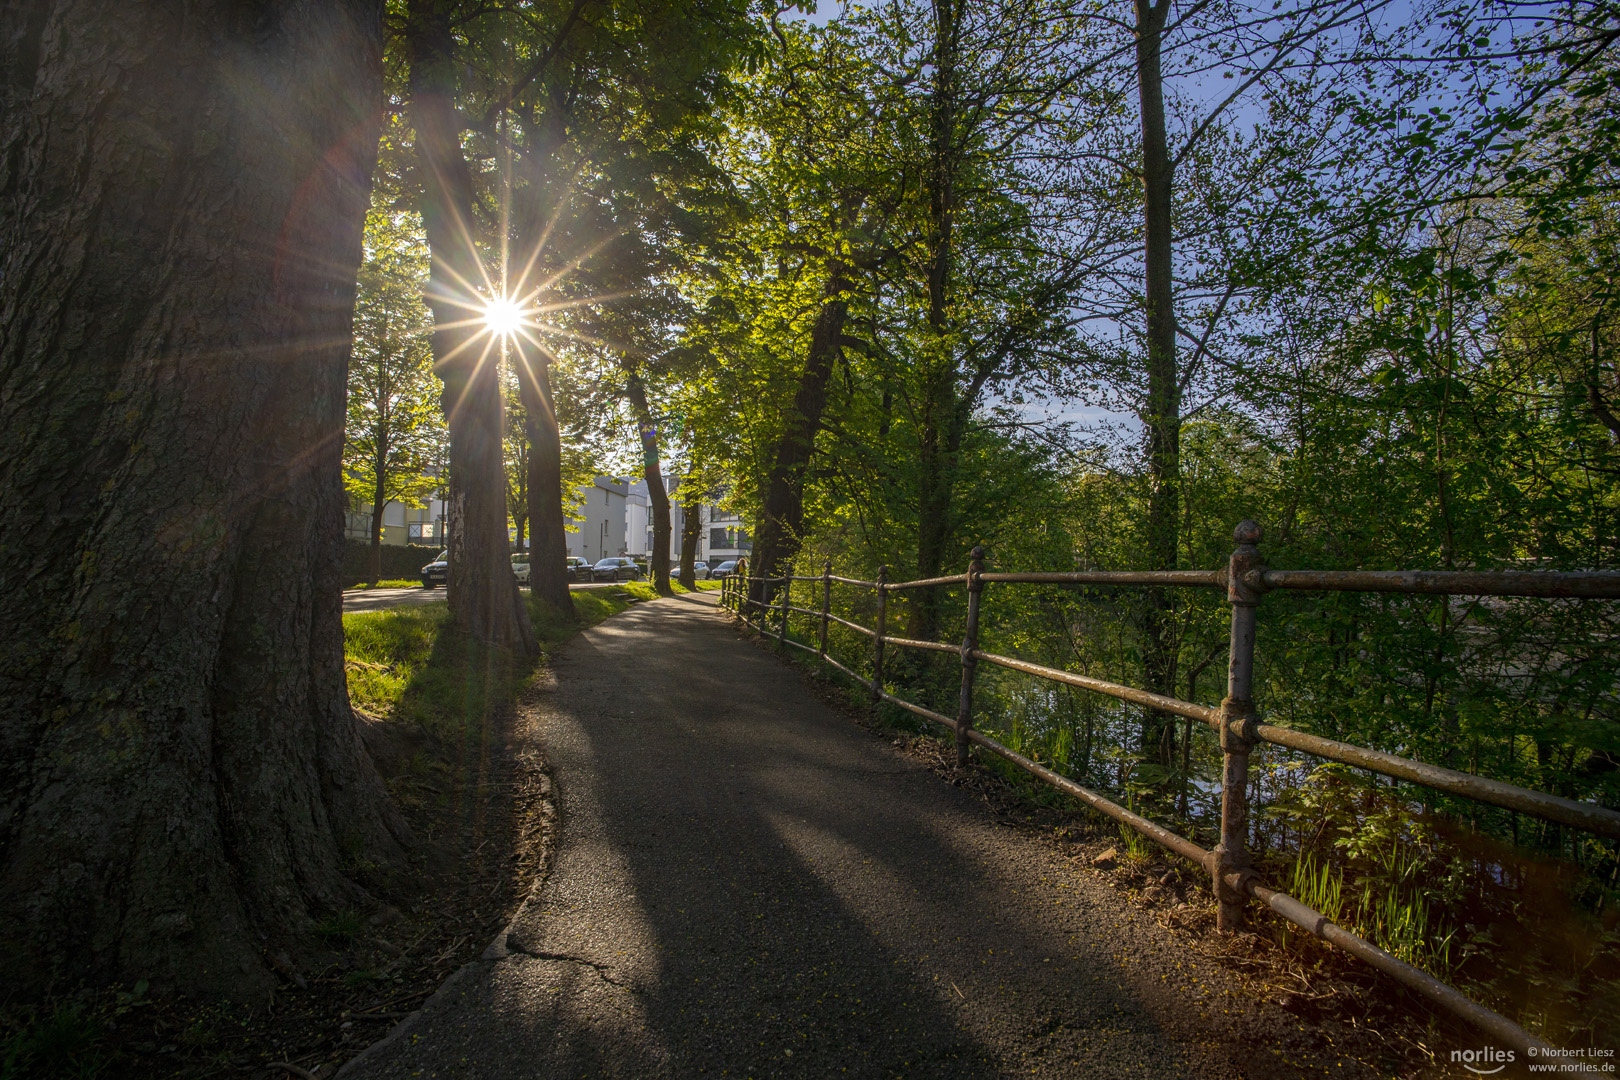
1246,579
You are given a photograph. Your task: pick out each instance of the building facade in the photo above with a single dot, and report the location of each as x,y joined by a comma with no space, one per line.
402,525
616,520
725,535
600,532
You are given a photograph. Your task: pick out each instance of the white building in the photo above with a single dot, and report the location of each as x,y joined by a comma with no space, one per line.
617,520
639,523
725,536
401,525
600,532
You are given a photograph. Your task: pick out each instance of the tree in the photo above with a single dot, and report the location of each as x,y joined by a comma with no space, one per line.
692,496
481,590
395,428
183,788
517,468
598,110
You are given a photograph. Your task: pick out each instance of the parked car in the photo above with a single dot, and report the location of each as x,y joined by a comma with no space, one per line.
578,569
700,570
520,567
615,569
724,570
437,572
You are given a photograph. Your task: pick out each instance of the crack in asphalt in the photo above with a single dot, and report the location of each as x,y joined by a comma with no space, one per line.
516,945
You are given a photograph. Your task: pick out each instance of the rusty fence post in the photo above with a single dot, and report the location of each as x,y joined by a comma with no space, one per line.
877,639
1244,587
787,591
970,663
826,602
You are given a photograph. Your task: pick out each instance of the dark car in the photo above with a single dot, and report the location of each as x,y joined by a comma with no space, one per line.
437,572
616,569
578,569
724,570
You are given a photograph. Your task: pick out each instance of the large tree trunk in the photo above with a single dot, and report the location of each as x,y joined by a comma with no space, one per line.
548,555
691,531
780,529
482,592
937,449
1162,417
182,189
651,472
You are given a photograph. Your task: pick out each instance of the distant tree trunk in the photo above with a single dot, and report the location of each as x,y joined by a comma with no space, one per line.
691,532
379,504
780,529
657,497
481,590
517,495
548,557
937,447
1162,417
182,190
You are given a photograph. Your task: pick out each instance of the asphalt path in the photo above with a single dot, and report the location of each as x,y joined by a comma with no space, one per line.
378,599
747,883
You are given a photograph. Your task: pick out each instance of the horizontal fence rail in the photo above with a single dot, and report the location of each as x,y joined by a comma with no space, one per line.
1246,579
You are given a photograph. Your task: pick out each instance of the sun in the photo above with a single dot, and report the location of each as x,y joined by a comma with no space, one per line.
502,316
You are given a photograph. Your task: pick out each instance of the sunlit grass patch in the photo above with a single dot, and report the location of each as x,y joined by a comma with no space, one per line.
385,651
392,583
410,664
643,590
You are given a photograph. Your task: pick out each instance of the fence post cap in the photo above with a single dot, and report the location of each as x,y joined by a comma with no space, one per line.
1248,532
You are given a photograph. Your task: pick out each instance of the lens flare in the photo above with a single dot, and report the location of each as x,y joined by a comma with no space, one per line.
502,316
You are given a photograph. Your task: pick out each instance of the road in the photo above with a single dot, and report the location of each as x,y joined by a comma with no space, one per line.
746,883
377,599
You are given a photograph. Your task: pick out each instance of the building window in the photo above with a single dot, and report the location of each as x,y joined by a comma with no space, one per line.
717,539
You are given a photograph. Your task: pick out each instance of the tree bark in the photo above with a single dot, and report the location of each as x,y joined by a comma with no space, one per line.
691,531
1162,417
657,497
379,503
780,530
937,450
482,592
182,191
548,556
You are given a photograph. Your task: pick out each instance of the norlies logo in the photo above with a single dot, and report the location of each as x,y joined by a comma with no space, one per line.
1484,1062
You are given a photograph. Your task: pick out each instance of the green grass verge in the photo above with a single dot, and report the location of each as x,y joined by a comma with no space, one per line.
643,590
391,583
410,665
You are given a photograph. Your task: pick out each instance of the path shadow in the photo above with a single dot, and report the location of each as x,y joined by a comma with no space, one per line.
763,890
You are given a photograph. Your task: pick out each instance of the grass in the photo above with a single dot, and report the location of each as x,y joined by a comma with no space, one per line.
339,928
391,583
410,665
66,1042
643,590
